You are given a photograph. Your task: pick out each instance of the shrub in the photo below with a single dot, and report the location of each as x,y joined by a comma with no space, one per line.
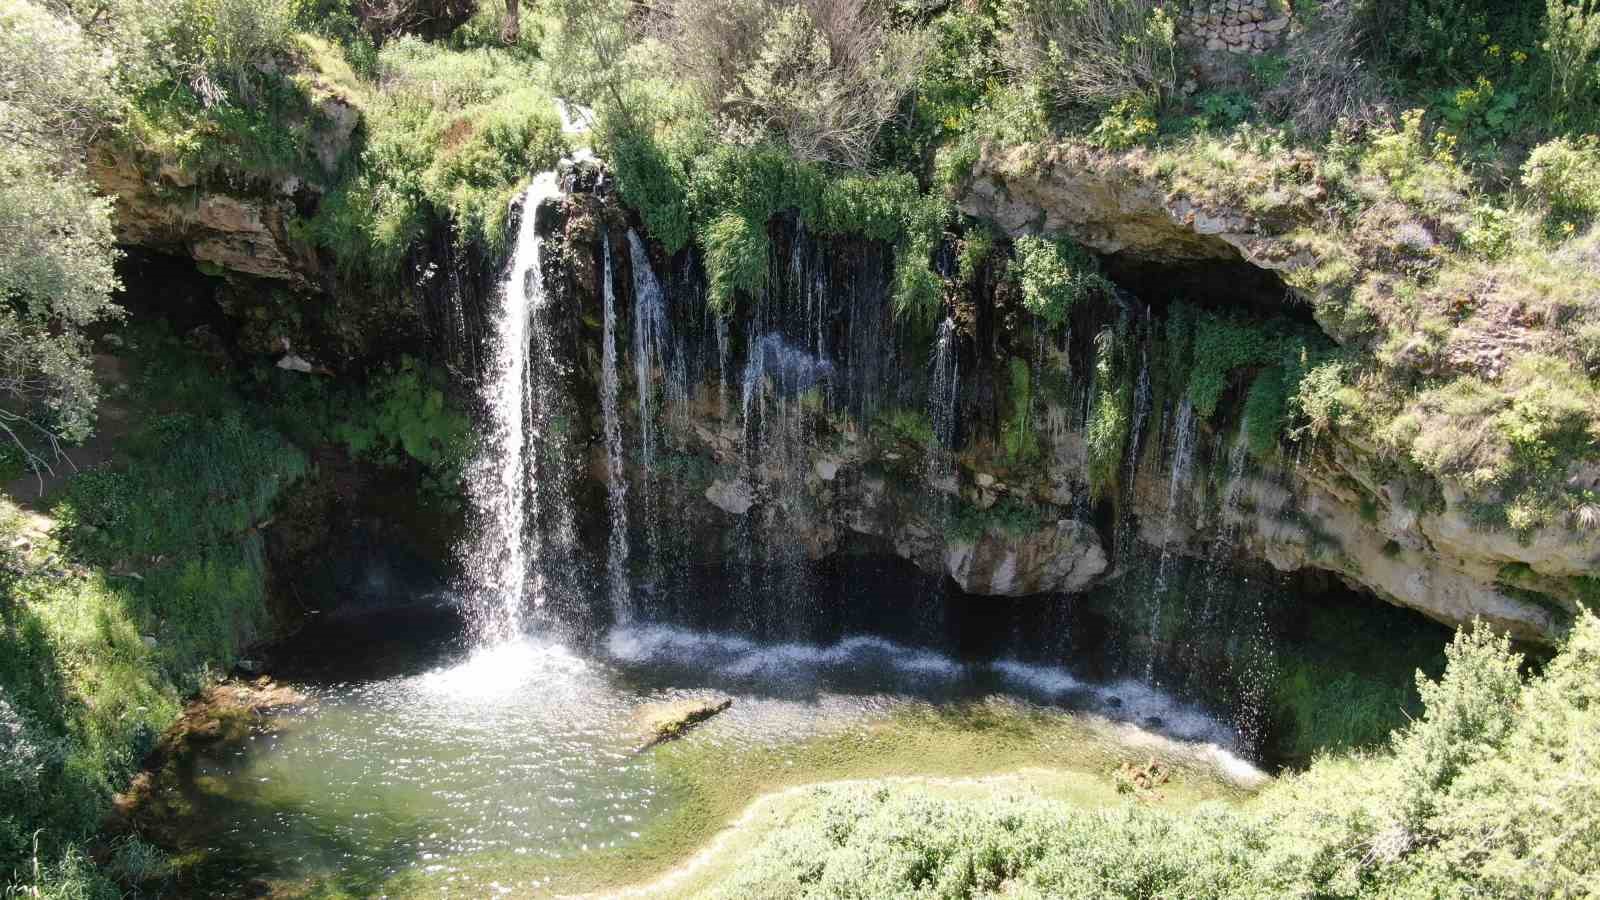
650,182
1326,80
822,77
736,260
229,41
1094,53
1422,173
1434,39
1564,176
1054,276
1572,41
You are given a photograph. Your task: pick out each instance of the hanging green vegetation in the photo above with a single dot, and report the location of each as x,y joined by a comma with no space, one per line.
1264,409
736,260
1018,437
1055,275
1107,430
733,192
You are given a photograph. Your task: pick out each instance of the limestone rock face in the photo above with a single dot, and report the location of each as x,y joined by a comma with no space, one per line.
1331,512
1108,205
243,235
1065,557
232,221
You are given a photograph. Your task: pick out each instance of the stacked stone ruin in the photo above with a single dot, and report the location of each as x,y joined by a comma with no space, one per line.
1242,26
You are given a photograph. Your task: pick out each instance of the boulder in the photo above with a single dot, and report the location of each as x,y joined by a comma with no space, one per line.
1064,557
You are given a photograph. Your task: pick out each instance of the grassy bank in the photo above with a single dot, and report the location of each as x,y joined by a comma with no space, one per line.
135,588
138,582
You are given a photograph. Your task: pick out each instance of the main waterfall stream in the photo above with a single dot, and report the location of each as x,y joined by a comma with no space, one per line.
478,747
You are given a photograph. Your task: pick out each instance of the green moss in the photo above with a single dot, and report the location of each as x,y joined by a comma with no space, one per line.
1019,437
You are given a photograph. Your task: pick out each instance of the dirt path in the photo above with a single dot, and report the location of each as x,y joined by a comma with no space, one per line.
114,422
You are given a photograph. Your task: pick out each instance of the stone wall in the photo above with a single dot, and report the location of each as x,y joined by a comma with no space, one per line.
1244,26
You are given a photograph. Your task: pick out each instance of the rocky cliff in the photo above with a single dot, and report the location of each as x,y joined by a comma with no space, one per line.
1332,508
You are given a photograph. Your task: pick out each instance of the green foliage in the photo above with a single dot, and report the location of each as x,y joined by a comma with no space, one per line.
223,46
1055,276
1222,345
1127,124
1421,173
1094,53
1109,420
1513,438
155,583
910,425
1443,41
401,417
1008,517
57,249
406,416
736,260
961,67
650,182
1018,437
452,136
1572,42
1563,175
977,247
1485,792
1265,408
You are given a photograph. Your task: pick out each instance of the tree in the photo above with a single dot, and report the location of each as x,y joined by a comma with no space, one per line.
511,25
58,89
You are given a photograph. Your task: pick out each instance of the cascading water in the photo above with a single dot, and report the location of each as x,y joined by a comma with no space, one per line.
616,479
502,578
944,395
1182,463
652,341
650,338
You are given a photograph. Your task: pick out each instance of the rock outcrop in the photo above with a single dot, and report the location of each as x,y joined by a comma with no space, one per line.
1332,512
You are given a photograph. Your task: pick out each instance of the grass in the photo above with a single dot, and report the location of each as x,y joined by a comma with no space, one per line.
151,580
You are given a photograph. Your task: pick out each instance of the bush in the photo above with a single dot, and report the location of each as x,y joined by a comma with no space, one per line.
1563,175
1421,172
1326,81
1094,53
1572,40
1488,793
452,136
1054,276
821,77
223,44
652,183
736,260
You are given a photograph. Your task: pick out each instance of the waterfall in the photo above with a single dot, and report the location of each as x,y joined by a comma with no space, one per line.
1141,411
649,339
1182,462
944,393
500,563
616,480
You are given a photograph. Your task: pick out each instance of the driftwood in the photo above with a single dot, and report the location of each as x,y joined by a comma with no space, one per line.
670,721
